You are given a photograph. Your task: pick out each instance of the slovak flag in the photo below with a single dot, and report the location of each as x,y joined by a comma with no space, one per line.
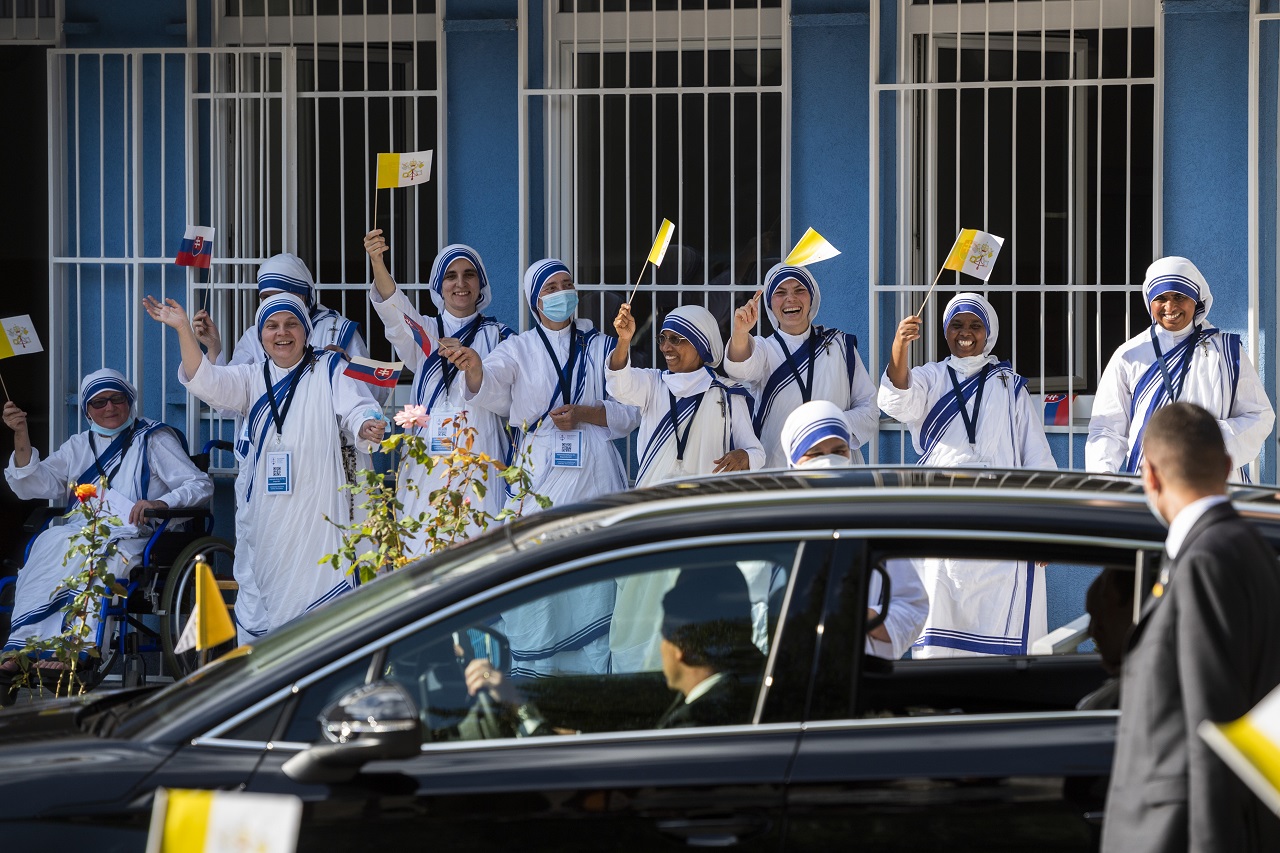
197,247
381,373
419,335
1057,409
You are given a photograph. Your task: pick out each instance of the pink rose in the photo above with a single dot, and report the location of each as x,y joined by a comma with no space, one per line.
412,416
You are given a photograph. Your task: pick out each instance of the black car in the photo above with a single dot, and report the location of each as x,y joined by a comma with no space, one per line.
360,708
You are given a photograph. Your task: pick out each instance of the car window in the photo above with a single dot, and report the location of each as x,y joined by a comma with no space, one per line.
1016,629
660,640
310,701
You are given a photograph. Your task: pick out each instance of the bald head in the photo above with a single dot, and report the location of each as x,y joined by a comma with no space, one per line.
1184,443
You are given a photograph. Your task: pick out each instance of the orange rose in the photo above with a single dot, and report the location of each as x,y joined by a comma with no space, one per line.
84,491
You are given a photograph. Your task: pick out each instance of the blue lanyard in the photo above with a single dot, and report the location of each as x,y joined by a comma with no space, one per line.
970,423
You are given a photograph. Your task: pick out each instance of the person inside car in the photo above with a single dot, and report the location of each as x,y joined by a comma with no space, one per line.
708,659
816,435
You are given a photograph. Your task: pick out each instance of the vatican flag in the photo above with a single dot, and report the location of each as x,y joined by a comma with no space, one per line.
210,624
18,336
813,247
403,170
185,821
974,253
1251,747
660,243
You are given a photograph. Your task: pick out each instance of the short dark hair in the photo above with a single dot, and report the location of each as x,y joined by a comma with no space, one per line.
707,615
1185,444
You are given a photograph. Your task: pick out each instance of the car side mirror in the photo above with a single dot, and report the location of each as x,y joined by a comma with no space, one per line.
883,603
374,722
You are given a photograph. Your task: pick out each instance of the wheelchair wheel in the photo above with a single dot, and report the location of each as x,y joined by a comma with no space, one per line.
179,599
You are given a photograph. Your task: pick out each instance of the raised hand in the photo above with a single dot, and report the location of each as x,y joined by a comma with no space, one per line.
746,317
624,324
207,331
375,245
14,418
169,312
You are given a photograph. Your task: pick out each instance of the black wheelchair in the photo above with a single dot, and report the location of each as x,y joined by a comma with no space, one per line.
159,598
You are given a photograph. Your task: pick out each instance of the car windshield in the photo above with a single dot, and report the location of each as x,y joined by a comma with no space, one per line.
317,629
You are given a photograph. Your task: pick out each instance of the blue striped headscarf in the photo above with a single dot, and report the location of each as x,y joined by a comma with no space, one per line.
700,328
1178,275
779,273
536,276
976,304
287,273
106,379
809,424
447,256
283,302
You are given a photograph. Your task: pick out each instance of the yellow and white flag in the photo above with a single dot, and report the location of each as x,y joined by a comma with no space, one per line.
403,170
974,253
660,243
813,247
210,624
185,821
19,336
1251,747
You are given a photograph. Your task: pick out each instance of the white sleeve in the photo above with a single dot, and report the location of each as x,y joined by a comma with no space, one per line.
246,351
228,388
621,418
42,479
185,485
501,369
863,415
633,386
744,434
352,402
1108,443
905,405
754,369
908,608
1028,426
1251,419
392,312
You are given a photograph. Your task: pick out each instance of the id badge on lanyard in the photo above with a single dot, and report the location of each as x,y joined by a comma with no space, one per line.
567,452
279,473
443,428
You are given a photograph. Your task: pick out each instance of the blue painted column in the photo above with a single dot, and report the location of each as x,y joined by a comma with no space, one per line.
482,144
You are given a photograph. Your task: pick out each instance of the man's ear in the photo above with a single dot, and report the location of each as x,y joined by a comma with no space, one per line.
1150,478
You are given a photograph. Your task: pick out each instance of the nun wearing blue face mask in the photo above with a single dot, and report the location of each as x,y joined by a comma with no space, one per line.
815,436
145,464
551,382
971,410
1180,357
294,407
460,290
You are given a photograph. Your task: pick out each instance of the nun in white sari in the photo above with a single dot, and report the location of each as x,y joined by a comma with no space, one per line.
294,406
145,464
799,362
551,381
971,410
691,422
1180,357
816,436
460,290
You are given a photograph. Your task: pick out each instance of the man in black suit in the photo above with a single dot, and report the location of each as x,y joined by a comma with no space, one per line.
707,650
1206,647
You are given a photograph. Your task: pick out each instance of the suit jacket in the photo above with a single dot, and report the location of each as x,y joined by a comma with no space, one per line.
728,703
1207,648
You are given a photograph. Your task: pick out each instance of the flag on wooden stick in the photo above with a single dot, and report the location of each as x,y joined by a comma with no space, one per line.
403,170
974,253
197,247
813,247
210,624
19,336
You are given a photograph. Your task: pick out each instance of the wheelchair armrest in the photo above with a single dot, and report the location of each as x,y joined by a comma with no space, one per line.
40,518
177,512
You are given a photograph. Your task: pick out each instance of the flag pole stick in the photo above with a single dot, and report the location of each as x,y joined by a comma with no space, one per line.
636,286
6,389
375,209
920,313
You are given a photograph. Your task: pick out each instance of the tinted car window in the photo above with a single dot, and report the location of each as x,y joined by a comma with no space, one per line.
608,648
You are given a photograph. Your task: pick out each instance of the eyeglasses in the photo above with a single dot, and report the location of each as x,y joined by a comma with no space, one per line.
671,340
113,400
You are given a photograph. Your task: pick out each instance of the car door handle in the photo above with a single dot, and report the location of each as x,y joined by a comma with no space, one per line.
714,832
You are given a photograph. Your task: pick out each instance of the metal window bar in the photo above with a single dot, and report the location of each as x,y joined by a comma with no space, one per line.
591,76
985,46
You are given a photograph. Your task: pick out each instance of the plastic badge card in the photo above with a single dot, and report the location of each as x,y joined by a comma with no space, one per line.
568,449
444,426
279,473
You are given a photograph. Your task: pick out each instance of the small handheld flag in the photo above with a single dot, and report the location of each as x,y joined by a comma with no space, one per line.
1057,409
656,254
813,247
216,821
974,252
403,170
1251,747
419,335
210,623
384,374
197,247
19,336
